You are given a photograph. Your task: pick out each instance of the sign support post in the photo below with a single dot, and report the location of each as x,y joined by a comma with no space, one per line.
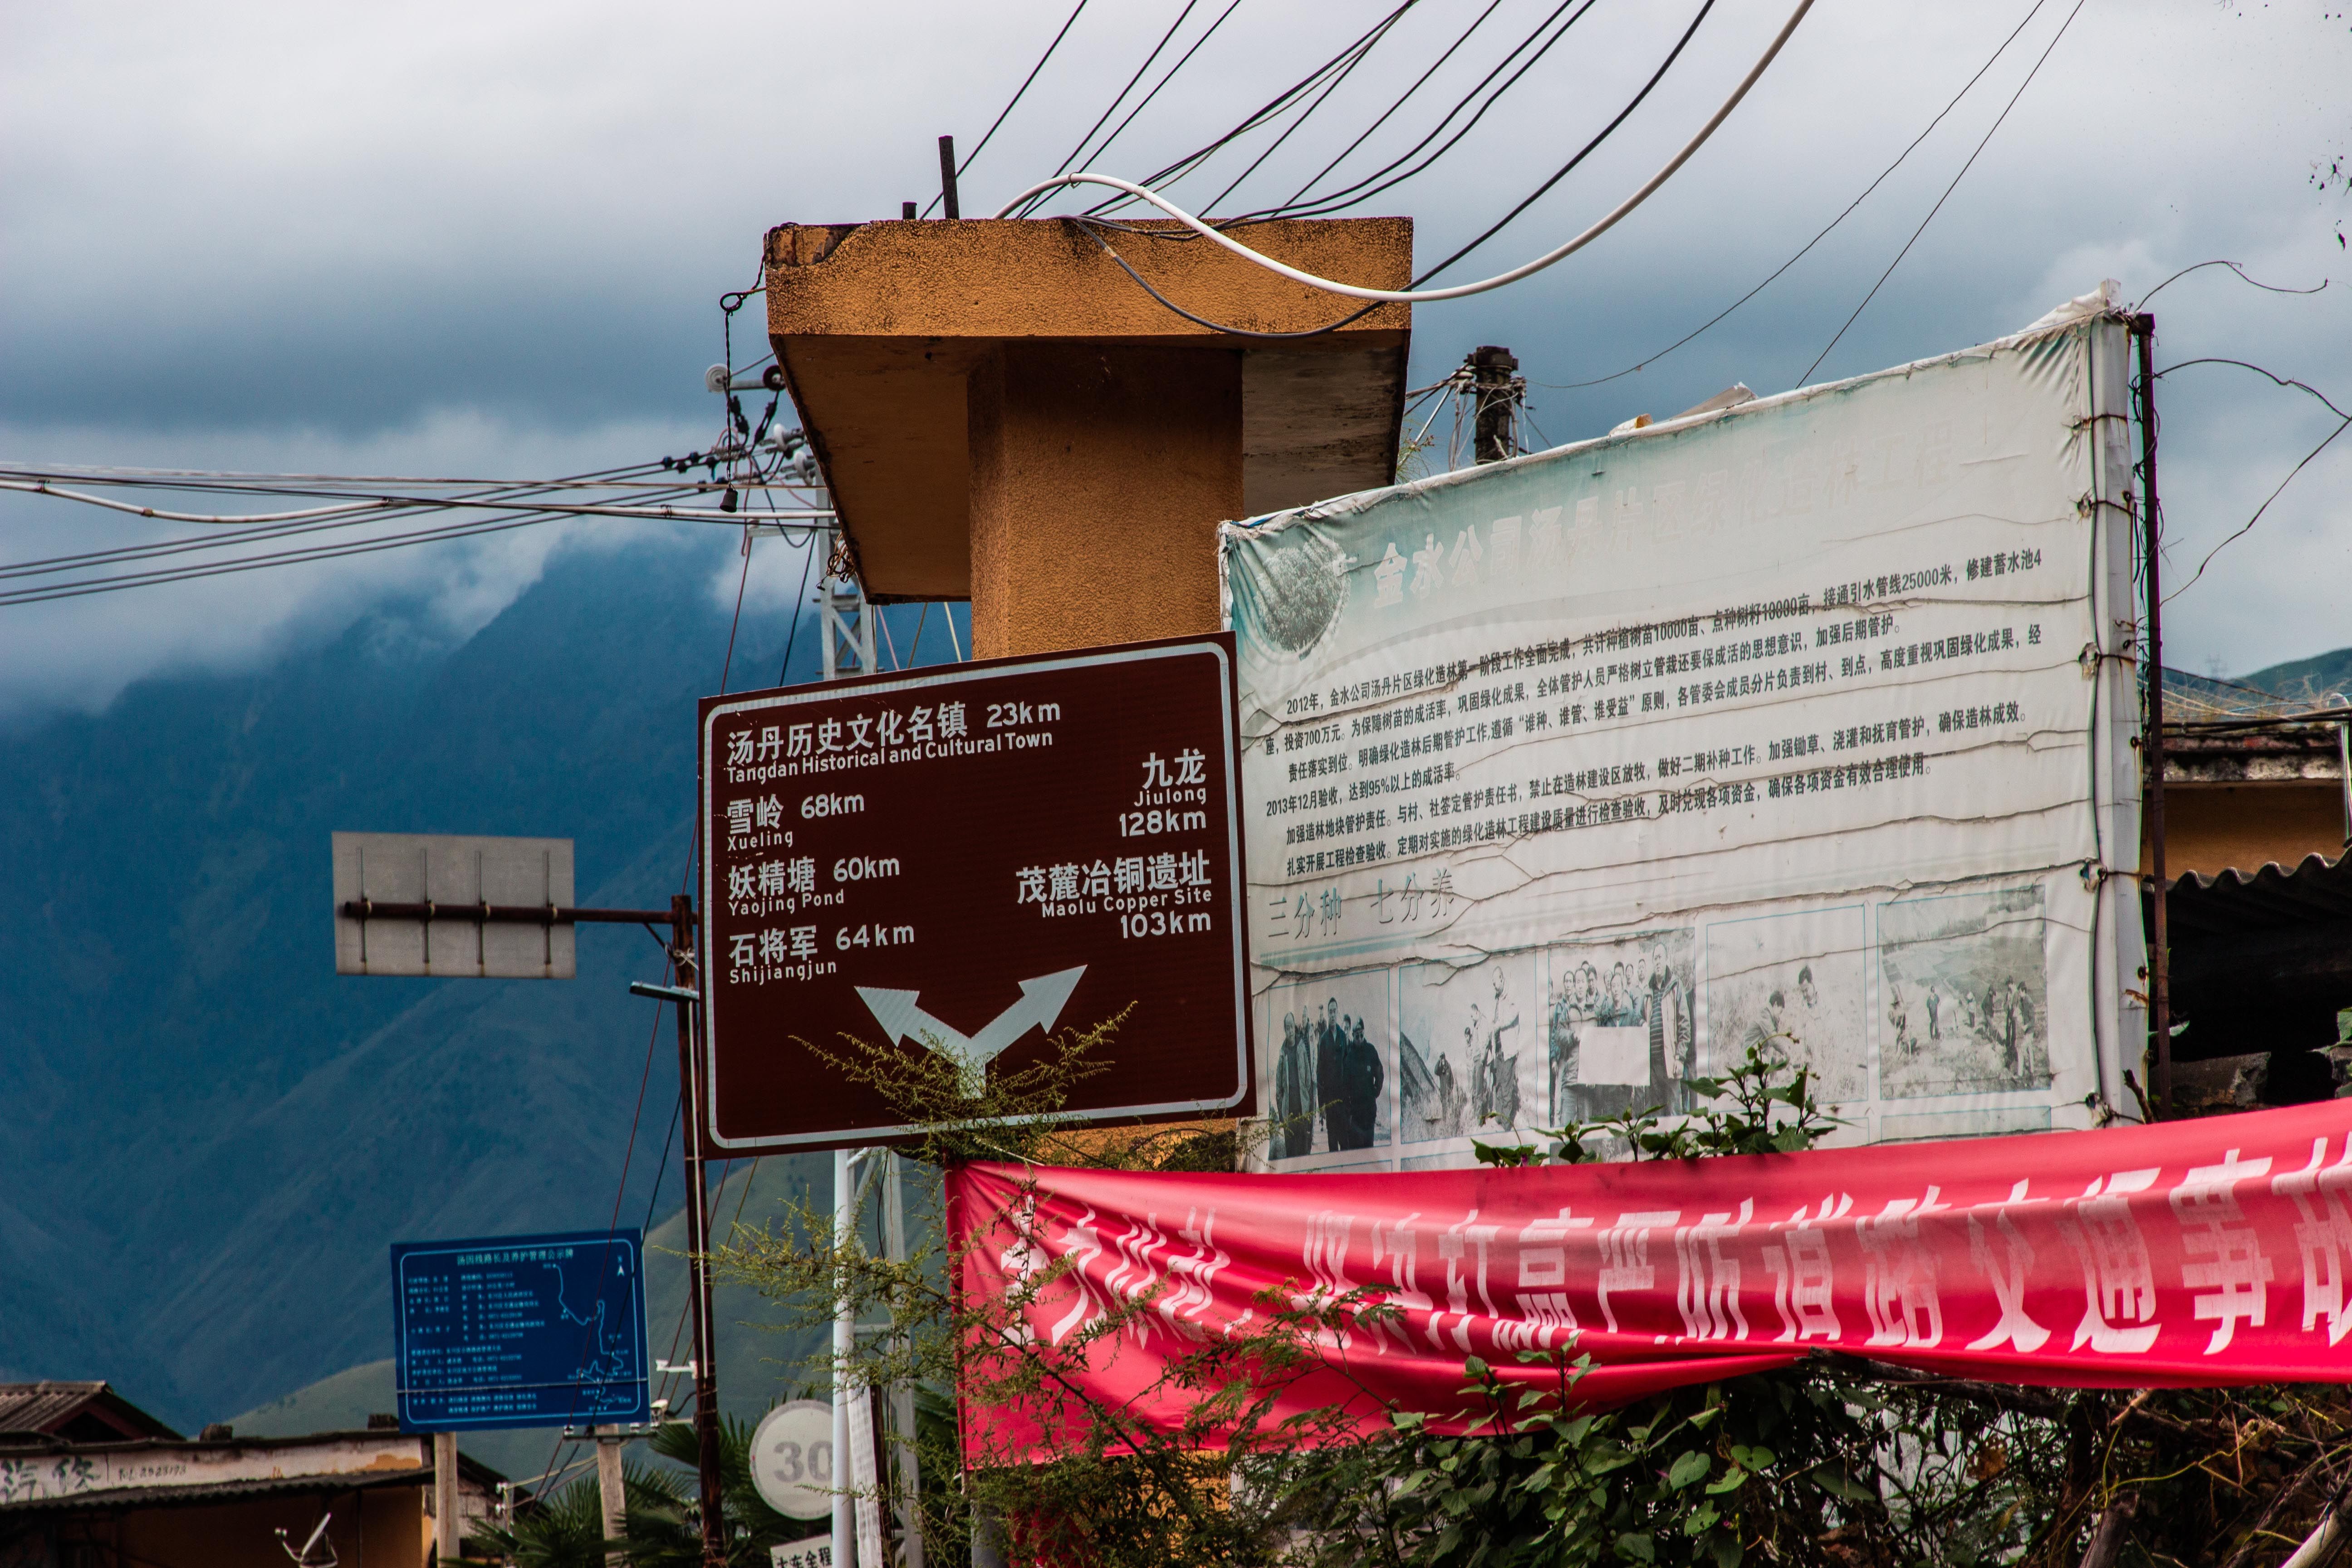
448,1544
612,1487
2160,957
844,1345
907,1482
698,1245
902,859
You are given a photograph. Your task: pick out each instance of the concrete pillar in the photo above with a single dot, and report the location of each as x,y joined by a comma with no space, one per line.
1004,414
1099,473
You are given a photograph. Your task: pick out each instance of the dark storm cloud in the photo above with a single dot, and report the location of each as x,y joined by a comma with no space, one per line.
370,353
447,234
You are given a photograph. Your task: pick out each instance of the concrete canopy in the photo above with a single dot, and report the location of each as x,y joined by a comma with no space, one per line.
904,344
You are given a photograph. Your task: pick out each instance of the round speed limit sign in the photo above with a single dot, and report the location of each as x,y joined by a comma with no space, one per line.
792,1458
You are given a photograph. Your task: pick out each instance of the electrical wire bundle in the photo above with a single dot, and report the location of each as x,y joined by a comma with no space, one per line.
1300,101
354,508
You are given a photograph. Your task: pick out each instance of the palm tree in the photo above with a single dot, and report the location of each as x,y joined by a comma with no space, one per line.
563,1530
665,1513
662,1525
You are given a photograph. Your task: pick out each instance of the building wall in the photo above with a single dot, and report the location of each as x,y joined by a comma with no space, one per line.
1099,474
2210,828
381,1529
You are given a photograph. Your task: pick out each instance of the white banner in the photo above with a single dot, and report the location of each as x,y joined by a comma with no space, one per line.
1810,720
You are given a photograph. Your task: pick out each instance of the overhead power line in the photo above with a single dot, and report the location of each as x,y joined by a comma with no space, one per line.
2242,276
1398,102
1955,186
240,534
512,503
83,587
1112,107
234,480
1186,58
973,156
1648,360
1307,113
390,504
1372,185
1587,150
2344,423
1459,290
1266,112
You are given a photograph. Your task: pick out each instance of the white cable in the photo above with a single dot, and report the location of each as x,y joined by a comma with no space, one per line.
568,508
233,480
296,484
1460,290
39,489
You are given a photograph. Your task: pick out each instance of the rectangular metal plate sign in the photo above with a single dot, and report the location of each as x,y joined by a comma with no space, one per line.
969,859
520,1331
462,873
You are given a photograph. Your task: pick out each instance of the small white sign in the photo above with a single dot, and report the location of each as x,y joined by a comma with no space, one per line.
813,1552
1617,1054
792,1465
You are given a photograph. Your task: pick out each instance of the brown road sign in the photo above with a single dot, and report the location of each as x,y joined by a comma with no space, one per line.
967,860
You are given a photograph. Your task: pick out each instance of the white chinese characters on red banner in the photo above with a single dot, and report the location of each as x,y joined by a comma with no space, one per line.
2202,1252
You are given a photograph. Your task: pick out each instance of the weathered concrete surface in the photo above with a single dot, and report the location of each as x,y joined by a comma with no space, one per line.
1099,474
2247,800
1003,413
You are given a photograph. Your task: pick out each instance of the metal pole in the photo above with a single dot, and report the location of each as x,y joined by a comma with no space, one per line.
2343,764
908,1482
948,178
698,1245
845,1345
2159,958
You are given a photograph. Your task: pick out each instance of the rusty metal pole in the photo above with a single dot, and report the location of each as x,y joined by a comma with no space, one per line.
2159,958
698,1246
1496,402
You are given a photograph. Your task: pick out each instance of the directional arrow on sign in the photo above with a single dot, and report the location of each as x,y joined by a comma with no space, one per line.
1040,1003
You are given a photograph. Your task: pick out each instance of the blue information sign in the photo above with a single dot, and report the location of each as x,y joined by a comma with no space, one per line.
520,1331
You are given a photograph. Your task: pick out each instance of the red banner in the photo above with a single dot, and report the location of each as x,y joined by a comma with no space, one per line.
2212,1251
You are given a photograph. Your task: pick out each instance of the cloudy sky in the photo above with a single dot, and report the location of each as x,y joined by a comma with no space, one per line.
468,239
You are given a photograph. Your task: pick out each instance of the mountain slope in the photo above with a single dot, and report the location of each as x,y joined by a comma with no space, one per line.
2302,677
755,1356
210,1138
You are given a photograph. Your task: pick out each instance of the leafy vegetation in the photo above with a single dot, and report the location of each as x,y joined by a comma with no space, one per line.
662,1515
1834,1462
1763,1106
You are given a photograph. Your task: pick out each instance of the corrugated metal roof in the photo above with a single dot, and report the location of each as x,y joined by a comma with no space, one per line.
2270,898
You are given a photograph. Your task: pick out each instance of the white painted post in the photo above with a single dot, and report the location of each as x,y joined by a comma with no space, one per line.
611,1487
844,1345
909,1479
447,1542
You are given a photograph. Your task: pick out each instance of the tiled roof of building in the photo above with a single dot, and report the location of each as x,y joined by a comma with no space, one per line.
80,1412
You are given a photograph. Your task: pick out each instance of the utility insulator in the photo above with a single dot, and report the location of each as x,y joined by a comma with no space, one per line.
1499,390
